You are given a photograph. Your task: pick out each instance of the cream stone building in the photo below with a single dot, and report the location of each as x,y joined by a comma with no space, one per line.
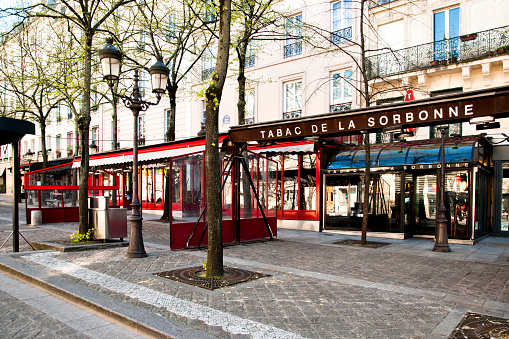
415,49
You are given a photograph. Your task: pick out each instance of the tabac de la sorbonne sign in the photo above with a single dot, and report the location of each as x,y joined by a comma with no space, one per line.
424,113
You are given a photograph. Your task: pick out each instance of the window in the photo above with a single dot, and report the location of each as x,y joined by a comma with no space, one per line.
203,105
58,114
293,42
141,42
209,62
250,54
341,21
57,144
210,11
446,25
94,137
25,147
172,27
249,113
167,121
142,82
292,100
69,113
69,143
32,145
341,96
141,130
48,143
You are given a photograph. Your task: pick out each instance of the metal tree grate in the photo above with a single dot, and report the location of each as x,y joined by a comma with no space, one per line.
193,276
355,242
475,325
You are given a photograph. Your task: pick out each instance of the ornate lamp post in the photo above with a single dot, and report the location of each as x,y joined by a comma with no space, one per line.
111,59
441,241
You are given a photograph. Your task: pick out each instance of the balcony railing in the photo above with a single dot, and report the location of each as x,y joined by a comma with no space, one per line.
465,48
292,114
205,74
293,49
341,36
341,107
376,3
248,121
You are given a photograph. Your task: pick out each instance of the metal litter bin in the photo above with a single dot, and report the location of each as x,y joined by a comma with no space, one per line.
107,223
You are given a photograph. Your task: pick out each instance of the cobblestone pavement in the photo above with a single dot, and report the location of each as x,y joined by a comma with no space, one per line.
27,312
317,289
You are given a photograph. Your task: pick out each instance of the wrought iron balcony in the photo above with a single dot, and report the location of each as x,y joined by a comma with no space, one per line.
341,107
248,121
464,48
205,74
341,36
376,3
292,114
293,49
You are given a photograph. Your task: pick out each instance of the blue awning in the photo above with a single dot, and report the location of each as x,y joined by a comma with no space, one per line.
406,154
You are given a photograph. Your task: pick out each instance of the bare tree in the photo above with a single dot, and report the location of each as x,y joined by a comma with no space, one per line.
212,173
87,16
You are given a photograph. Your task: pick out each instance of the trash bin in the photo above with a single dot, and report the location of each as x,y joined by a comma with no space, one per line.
107,223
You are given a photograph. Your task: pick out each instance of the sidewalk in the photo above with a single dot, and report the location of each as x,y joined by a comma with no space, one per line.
317,289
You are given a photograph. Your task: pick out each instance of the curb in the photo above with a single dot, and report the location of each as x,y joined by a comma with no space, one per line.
139,320
48,245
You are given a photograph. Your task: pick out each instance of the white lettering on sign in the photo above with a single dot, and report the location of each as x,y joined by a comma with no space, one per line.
453,111
409,117
383,120
324,128
439,113
314,128
469,109
423,115
371,122
351,125
396,119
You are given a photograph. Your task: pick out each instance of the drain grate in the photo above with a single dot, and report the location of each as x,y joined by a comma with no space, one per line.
195,276
481,326
354,242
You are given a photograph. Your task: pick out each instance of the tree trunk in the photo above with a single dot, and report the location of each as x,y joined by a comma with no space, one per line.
84,125
167,197
212,175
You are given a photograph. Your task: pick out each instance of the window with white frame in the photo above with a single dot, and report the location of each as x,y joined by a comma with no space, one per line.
203,106
59,113
57,145
341,91
141,42
69,113
141,130
341,21
48,143
293,42
172,26
209,62
69,143
32,145
142,84
292,99
249,113
94,137
250,54
25,147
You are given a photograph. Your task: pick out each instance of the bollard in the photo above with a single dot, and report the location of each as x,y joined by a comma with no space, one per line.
36,217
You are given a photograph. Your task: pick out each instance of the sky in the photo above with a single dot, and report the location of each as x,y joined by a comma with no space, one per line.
5,20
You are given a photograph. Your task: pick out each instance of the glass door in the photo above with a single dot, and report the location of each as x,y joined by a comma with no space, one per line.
343,202
425,203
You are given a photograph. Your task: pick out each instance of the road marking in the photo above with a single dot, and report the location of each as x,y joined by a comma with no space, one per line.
181,307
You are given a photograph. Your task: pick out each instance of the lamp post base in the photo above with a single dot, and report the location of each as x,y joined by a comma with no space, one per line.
136,247
441,242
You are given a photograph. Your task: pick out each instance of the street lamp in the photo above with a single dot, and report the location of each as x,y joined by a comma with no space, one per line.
29,154
441,241
111,59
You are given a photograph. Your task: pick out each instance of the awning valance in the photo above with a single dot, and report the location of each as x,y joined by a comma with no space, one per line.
287,148
146,154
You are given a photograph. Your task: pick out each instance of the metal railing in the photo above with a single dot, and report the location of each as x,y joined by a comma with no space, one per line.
341,36
292,114
341,107
293,49
469,47
376,3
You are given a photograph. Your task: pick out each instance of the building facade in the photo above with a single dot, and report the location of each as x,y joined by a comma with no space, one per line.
413,50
